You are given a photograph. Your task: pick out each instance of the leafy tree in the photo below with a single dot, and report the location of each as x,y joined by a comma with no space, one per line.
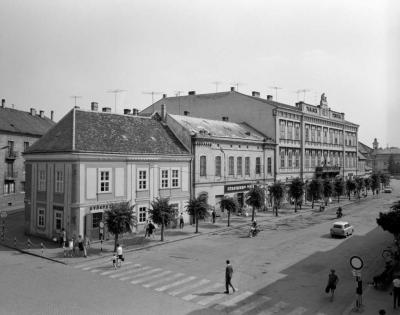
198,208
327,189
360,184
296,191
276,192
315,190
390,221
120,219
338,187
350,187
230,205
255,198
162,213
375,182
385,179
367,182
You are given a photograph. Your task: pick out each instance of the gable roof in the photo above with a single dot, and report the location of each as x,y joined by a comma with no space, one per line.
20,122
99,132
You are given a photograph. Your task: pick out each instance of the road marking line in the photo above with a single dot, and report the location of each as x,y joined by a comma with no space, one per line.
152,284
274,309
132,273
117,272
174,284
144,274
144,279
233,301
300,310
108,269
194,295
91,263
189,287
249,306
117,275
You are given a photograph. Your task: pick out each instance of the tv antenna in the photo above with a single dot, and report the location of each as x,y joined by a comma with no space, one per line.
75,97
276,88
237,85
115,92
304,91
152,93
216,85
178,95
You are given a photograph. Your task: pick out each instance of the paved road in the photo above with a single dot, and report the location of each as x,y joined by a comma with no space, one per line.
281,271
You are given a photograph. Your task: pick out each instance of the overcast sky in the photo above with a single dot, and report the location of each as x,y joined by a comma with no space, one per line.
349,49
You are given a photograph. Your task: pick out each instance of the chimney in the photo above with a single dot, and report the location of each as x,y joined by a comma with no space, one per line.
127,111
255,94
3,103
94,106
186,113
225,118
41,114
163,112
192,93
52,115
135,111
77,107
269,98
33,112
106,109
232,89
164,96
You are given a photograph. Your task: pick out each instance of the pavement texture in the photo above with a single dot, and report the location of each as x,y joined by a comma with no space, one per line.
15,238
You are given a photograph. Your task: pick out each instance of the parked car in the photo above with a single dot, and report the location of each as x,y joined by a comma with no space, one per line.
387,189
342,228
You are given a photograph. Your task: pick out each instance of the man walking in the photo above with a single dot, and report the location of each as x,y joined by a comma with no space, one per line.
213,214
228,277
396,291
181,221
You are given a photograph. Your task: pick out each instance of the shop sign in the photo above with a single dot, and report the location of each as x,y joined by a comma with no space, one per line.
237,187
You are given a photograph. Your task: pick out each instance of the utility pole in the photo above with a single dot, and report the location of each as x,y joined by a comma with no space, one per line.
276,88
115,92
152,93
75,97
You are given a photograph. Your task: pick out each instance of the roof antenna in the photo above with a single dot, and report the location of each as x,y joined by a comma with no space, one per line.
75,97
116,92
237,85
276,88
152,93
304,93
178,94
216,85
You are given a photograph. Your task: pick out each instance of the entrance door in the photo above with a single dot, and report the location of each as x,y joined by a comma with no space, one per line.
97,217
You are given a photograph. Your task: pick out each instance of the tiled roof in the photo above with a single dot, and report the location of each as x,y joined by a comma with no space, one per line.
218,129
85,131
16,121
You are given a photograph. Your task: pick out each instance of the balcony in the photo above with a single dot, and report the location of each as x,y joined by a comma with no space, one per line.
10,175
11,155
327,170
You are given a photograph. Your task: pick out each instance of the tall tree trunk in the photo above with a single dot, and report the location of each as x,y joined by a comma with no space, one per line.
338,198
312,203
115,242
295,205
197,223
162,229
252,214
229,216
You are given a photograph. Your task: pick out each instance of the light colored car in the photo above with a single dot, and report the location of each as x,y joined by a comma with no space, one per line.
342,228
387,189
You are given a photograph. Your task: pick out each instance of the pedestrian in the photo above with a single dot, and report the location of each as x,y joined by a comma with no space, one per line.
86,245
228,277
114,260
396,291
80,245
213,215
382,312
151,229
333,279
181,221
120,254
64,237
71,247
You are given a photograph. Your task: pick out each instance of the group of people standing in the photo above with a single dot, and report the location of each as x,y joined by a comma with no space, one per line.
73,247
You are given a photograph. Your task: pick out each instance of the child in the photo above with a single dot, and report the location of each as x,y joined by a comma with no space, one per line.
114,260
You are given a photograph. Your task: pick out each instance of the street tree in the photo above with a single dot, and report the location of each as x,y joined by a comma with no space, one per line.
385,179
367,182
375,182
276,191
255,198
390,221
296,190
350,187
230,205
162,213
314,190
360,184
327,189
120,219
338,187
198,208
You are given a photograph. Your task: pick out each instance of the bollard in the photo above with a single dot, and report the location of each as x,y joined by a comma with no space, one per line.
15,242
29,243
42,247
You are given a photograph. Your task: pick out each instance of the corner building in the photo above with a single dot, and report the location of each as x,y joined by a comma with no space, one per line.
312,141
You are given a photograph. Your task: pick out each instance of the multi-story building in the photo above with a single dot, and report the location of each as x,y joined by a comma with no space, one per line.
91,159
381,158
311,140
18,130
228,158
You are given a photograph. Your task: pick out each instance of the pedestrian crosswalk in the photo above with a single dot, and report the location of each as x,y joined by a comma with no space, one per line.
203,292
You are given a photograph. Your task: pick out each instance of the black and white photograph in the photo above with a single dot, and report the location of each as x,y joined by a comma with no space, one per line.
199,157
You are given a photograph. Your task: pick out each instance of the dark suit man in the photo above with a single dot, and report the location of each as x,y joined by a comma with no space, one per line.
228,277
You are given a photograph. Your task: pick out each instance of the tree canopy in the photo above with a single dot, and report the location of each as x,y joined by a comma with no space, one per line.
230,205
255,198
277,192
162,213
327,189
338,187
314,190
198,208
390,221
296,190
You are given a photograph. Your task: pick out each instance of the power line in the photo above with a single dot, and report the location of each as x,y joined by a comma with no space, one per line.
115,92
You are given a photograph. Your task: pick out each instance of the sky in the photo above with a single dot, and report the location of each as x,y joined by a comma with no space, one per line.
52,50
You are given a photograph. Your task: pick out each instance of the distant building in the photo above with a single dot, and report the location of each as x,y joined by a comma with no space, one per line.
91,159
382,158
312,141
18,131
228,158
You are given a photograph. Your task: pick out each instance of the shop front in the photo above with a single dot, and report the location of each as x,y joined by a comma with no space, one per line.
238,191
